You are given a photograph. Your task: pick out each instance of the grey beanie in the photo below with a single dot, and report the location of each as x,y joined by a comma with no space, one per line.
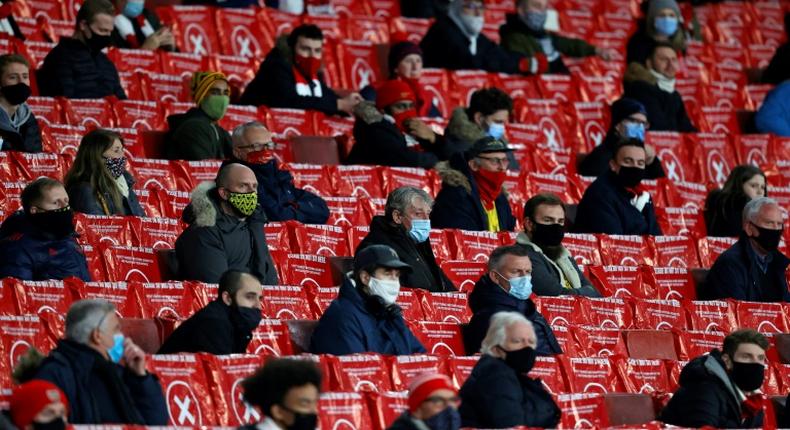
657,5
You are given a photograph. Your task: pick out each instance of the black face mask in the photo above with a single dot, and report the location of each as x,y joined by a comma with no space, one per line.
247,319
769,238
97,42
302,421
747,376
521,360
16,94
58,222
56,424
629,177
547,234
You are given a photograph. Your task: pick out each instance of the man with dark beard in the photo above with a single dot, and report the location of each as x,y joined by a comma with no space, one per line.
554,270
225,325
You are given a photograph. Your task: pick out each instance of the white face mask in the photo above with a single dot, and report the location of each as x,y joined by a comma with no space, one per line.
385,288
473,24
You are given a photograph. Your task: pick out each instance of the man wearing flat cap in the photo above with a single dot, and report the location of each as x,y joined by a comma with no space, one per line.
472,197
196,134
364,317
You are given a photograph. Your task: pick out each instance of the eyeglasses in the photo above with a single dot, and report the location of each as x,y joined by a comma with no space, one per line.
444,401
638,121
257,146
499,162
476,6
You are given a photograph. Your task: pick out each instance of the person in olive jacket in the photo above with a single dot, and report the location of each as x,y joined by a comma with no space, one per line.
524,33
196,134
498,393
405,228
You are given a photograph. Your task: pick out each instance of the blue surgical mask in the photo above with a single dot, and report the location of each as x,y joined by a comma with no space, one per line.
521,287
448,419
133,9
116,352
535,20
420,230
496,130
634,130
666,25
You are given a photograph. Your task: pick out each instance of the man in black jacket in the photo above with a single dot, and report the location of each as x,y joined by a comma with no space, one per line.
472,195
290,76
280,199
654,87
225,230
19,130
225,325
721,389
507,287
101,372
455,41
752,269
405,227
77,68
554,271
390,133
616,203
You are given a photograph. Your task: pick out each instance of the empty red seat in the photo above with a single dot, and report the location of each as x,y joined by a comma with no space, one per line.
446,307
407,367
594,341
186,388
224,375
360,373
30,166
464,274
658,315
582,410
651,344
193,27
675,251
591,375
439,338
359,64
711,247
621,281
241,33
349,408
271,337
135,60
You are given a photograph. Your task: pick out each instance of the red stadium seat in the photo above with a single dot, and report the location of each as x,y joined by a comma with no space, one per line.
582,410
598,342
148,334
188,393
241,33
711,316
591,375
406,367
439,338
349,408
629,409
360,373
652,344
224,375
621,281
135,60
271,337
193,27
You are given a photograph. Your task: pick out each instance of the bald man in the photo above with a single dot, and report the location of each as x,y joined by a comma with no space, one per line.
225,230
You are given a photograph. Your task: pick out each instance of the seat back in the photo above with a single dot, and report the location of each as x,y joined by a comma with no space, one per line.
148,334
315,150
301,331
650,344
629,409
154,142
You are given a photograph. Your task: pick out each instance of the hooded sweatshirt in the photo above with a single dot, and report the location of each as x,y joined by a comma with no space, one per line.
21,131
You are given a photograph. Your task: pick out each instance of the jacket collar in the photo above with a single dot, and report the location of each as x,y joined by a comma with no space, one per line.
77,356
523,239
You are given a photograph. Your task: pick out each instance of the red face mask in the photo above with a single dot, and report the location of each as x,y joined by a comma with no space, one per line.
416,88
489,184
260,157
308,65
402,117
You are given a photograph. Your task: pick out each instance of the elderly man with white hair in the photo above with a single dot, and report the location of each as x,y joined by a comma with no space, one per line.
405,227
499,393
102,372
752,269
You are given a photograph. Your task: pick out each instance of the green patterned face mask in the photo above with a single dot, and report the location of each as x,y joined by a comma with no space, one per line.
245,203
215,106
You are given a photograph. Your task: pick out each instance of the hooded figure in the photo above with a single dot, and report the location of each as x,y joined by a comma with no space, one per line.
629,120
196,134
663,22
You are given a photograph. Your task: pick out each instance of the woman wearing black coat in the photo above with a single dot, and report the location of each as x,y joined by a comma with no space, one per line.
98,183
498,393
724,206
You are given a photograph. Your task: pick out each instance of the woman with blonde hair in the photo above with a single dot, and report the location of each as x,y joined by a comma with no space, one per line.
98,182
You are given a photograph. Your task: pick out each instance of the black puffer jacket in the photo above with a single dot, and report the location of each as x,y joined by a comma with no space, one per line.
73,71
425,274
495,396
214,329
215,242
707,397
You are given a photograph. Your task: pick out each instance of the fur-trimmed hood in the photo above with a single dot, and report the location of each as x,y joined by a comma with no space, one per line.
462,129
202,207
639,72
453,177
367,112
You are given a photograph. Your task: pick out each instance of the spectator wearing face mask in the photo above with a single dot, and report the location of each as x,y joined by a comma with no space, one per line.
365,316
524,33
616,202
38,405
38,243
498,392
287,391
102,372
433,405
225,229
291,76
629,121
654,87
488,113
77,68
405,64
196,134
507,287
225,325
663,23
752,269
472,197
390,134
19,130
98,182
721,389
138,27
455,41
774,114
405,227
277,195
554,270
724,207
